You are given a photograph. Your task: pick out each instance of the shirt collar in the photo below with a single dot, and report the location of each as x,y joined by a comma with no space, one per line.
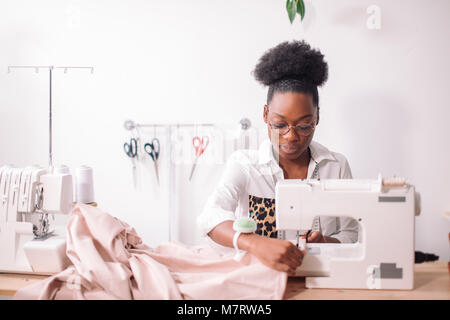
265,152
318,153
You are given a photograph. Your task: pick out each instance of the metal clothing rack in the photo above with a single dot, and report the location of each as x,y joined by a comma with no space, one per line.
131,125
50,71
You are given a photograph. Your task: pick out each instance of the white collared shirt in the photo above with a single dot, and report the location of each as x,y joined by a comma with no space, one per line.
253,174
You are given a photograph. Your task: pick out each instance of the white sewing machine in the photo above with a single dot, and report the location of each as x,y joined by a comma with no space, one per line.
28,199
385,209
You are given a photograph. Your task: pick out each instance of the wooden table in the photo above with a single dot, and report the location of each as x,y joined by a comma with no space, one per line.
10,283
431,280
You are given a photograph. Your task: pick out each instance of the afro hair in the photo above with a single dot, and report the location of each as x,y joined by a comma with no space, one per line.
292,61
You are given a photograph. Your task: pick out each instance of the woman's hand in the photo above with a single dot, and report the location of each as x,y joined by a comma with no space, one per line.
318,237
277,254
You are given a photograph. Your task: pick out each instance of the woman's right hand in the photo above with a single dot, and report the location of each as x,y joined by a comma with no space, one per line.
277,254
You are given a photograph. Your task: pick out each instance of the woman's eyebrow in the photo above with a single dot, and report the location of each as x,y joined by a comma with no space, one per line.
302,117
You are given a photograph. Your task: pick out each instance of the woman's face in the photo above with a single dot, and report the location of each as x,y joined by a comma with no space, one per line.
296,110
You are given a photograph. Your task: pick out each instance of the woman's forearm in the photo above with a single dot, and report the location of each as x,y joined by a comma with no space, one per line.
277,254
223,234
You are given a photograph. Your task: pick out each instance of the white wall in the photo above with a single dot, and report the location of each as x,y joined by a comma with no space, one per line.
385,104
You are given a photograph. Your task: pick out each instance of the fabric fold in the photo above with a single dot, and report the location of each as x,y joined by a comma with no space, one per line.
110,261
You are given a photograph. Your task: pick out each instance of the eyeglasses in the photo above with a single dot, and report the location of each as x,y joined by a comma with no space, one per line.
300,129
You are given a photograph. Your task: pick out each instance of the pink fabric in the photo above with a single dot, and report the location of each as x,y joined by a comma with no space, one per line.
111,262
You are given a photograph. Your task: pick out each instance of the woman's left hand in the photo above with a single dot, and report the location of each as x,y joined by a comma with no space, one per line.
318,237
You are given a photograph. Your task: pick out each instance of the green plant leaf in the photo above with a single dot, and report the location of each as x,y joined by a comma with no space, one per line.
291,7
301,8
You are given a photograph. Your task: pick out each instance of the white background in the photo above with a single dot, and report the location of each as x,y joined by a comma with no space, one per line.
385,106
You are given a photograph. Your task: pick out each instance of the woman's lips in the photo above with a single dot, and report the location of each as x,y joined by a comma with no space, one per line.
289,148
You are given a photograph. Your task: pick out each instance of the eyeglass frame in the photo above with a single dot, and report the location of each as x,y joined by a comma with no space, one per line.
313,127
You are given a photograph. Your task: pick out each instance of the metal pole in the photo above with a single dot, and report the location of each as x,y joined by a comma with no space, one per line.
50,120
177,125
171,194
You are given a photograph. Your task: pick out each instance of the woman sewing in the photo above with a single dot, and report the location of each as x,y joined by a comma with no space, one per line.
292,71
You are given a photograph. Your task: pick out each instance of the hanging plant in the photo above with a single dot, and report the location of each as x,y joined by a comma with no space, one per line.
295,7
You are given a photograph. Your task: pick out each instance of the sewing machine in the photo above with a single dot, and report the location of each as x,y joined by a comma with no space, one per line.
385,209
29,198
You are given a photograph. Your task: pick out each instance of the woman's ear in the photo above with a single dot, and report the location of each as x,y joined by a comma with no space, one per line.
266,111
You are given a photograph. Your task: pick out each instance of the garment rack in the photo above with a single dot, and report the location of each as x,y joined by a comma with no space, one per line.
131,125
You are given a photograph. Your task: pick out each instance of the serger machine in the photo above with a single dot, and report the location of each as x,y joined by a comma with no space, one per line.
29,198
385,210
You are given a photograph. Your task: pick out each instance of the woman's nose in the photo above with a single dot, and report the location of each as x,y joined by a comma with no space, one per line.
292,135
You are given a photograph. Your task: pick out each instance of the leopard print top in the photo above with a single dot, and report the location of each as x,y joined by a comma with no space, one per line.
262,210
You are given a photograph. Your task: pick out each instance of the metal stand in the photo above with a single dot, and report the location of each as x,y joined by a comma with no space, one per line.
50,71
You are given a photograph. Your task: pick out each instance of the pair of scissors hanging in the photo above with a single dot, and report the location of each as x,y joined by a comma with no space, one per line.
200,144
152,149
131,150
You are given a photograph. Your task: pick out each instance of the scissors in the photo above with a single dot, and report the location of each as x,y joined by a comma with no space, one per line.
152,148
200,145
131,151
